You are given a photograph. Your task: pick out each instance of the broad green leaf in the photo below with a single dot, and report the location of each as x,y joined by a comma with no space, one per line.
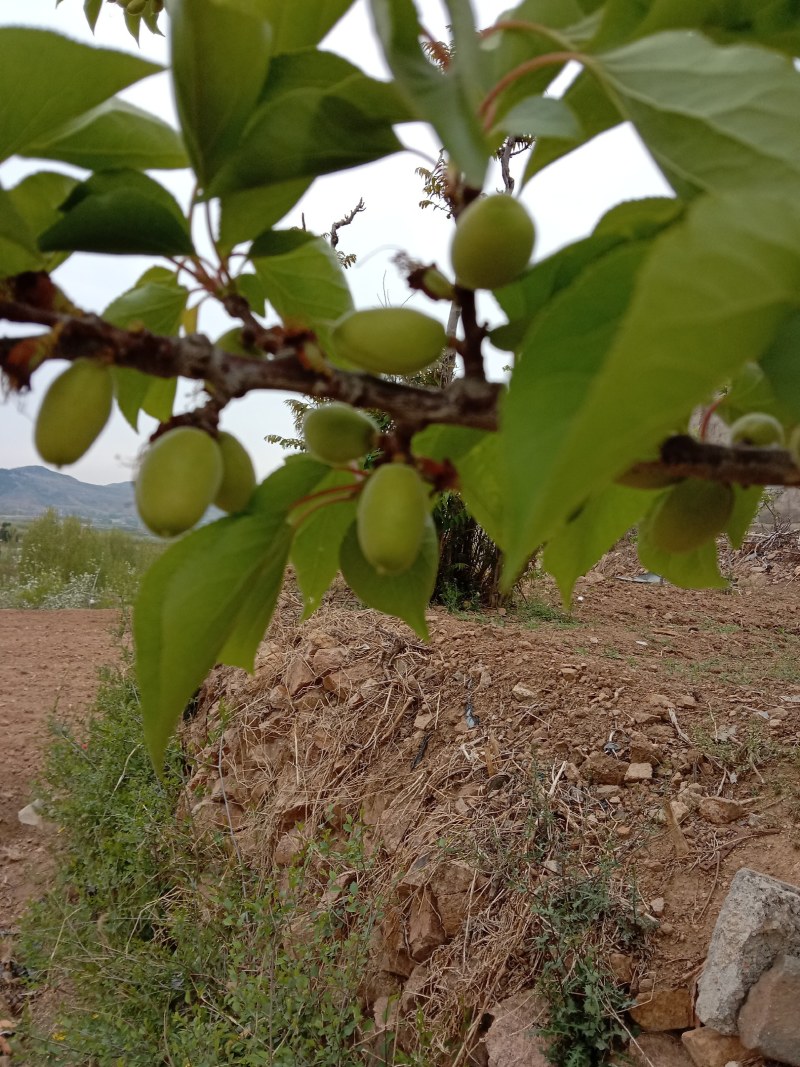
302,279
481,481
750,388
115,134
315,549
296,26
406,595
541,116
156,306
714,118
220,59
252,289
746,503
441,442
689,570
318,113
190,600
247,214
437,98
18,251
51,79
122,212
710,297
781,366
525,297
37,199
558,365
594,530
594,113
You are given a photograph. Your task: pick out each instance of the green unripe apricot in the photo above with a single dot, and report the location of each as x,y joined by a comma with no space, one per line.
337,433
238,475
390,519
179,477
691,514
757,428
75,409
493,242
389,340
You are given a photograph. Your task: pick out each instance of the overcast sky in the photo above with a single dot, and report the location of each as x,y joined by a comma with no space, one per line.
566,201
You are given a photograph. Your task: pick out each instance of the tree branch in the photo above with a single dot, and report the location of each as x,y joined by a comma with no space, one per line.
348,218
469,401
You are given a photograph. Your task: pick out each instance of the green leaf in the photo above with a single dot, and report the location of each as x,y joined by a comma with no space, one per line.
781,365
561,357
315,549
302,279
437,98
441,442
746,504
245,215
156,306
634,219
594,113
318,114
199,595
541,116
115,134
92,9
406,595
689,570
251,288
714,118
220,59
297,26
18,251
51,79
37,199
480,476
594,530
664,354
123,213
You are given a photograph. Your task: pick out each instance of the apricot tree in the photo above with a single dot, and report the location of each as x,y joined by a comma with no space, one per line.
669,304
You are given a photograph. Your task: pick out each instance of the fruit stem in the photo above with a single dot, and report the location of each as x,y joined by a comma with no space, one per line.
488,108
707,414
470,348
343,492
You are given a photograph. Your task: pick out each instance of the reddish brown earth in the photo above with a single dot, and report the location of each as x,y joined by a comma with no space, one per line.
48,670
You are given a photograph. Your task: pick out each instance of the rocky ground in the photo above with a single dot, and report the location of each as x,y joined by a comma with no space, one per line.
655,728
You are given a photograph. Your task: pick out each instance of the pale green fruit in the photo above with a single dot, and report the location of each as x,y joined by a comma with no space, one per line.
75,409
758,429
389,340
238,475
179,477
337,433
493,242
690,515
390,519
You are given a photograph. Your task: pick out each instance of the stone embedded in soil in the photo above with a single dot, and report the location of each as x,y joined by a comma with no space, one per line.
601,769
657,906
512,1040
663,1009
720,811
638,772
759,919
658,1050
412,995
644,751
768,1019
522,692
621,966
709,1048
425,930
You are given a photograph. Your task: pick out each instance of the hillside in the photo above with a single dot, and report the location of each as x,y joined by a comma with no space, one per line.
26,492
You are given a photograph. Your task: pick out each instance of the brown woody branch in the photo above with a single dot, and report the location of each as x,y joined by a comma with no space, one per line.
468,401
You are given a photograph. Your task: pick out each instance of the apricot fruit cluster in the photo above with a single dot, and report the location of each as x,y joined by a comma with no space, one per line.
185,471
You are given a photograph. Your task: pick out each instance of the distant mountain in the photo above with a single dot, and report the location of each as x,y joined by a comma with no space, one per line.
26,492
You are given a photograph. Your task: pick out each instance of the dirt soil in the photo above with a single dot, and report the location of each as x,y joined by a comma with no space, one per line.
350,713
48,671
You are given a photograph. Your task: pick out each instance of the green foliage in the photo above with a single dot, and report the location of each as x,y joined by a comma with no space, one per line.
614,341
172,953
64,562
